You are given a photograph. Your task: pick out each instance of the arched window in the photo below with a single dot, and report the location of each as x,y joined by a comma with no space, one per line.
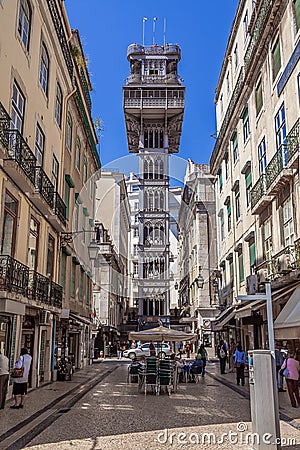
151,170
162,203
156,200
146,169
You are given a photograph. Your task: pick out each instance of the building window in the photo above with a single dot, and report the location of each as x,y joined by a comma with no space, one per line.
235,57
85,171
276,58
228,216
135,250
78,153
9,225
258,96
235,147
288,223
248,182
73,280
246,124
221,215
237,198
252,253
246,25
69,131
262,156
228,84
221,104
67,198
17,108
81,283
220,180
24,23
241,266
44,69
76,216
33,244
231,273
135,232
267,242
39,146
135,268
63,270
58,105
55,171
296,7
226,160
280,128
50,256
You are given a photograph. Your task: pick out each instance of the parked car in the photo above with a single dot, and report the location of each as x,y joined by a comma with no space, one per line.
162,350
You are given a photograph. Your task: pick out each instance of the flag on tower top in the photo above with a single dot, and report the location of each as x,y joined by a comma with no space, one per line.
155,18
145,18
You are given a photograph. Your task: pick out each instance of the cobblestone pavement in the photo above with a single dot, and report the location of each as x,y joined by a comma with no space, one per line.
115,415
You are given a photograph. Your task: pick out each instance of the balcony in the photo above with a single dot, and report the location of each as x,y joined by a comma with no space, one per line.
43,197
56,295
297,253
59,218
38,287
278,172
168,49
14,275
20,162
4,127
259,199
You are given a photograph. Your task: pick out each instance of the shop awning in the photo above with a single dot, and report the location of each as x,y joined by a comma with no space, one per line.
246,311
223,319
80,318
287,324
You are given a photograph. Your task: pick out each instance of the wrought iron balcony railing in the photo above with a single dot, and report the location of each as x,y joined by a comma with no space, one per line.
13,275
292,141
297,253
258,190
4,126
257,31
19,151
58,25
60,208
275,166
284,261
44,186
38,287
236,95
56,295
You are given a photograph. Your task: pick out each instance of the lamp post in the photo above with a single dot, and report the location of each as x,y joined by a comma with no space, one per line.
263,380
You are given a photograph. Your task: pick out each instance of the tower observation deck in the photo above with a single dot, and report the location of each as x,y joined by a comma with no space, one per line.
153,101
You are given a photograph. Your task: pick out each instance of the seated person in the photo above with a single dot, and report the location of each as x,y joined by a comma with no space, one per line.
196,368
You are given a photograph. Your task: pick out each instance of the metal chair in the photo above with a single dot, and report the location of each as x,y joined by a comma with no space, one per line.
133,373
166,375
151,375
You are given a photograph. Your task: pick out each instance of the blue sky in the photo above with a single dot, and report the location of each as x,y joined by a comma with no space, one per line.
200,27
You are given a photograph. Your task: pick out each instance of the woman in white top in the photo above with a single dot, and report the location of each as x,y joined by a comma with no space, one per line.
20,384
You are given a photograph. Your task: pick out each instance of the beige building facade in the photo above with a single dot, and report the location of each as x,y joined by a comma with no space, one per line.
48,153
256,160
197,252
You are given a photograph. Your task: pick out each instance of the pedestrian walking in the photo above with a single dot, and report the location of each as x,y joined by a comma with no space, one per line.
240,358
120,350
179,347
231,351
291,369
152,349
222,355
4,378
204,356
188,350
279,359
20,383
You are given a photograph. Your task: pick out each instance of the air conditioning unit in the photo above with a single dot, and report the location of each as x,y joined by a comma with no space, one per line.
262,276
44,318
284,263
251,284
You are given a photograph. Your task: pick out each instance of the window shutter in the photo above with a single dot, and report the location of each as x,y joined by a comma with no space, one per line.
276,58
248,179
297,13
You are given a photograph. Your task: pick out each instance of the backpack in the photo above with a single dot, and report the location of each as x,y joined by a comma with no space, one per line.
222,353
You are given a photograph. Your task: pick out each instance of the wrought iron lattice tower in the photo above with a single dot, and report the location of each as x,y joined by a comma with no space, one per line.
153,101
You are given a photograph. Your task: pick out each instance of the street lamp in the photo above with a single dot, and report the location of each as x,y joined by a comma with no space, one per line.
93,250
199,280
176,286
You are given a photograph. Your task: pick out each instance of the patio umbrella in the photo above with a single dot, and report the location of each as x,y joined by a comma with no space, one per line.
160,334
